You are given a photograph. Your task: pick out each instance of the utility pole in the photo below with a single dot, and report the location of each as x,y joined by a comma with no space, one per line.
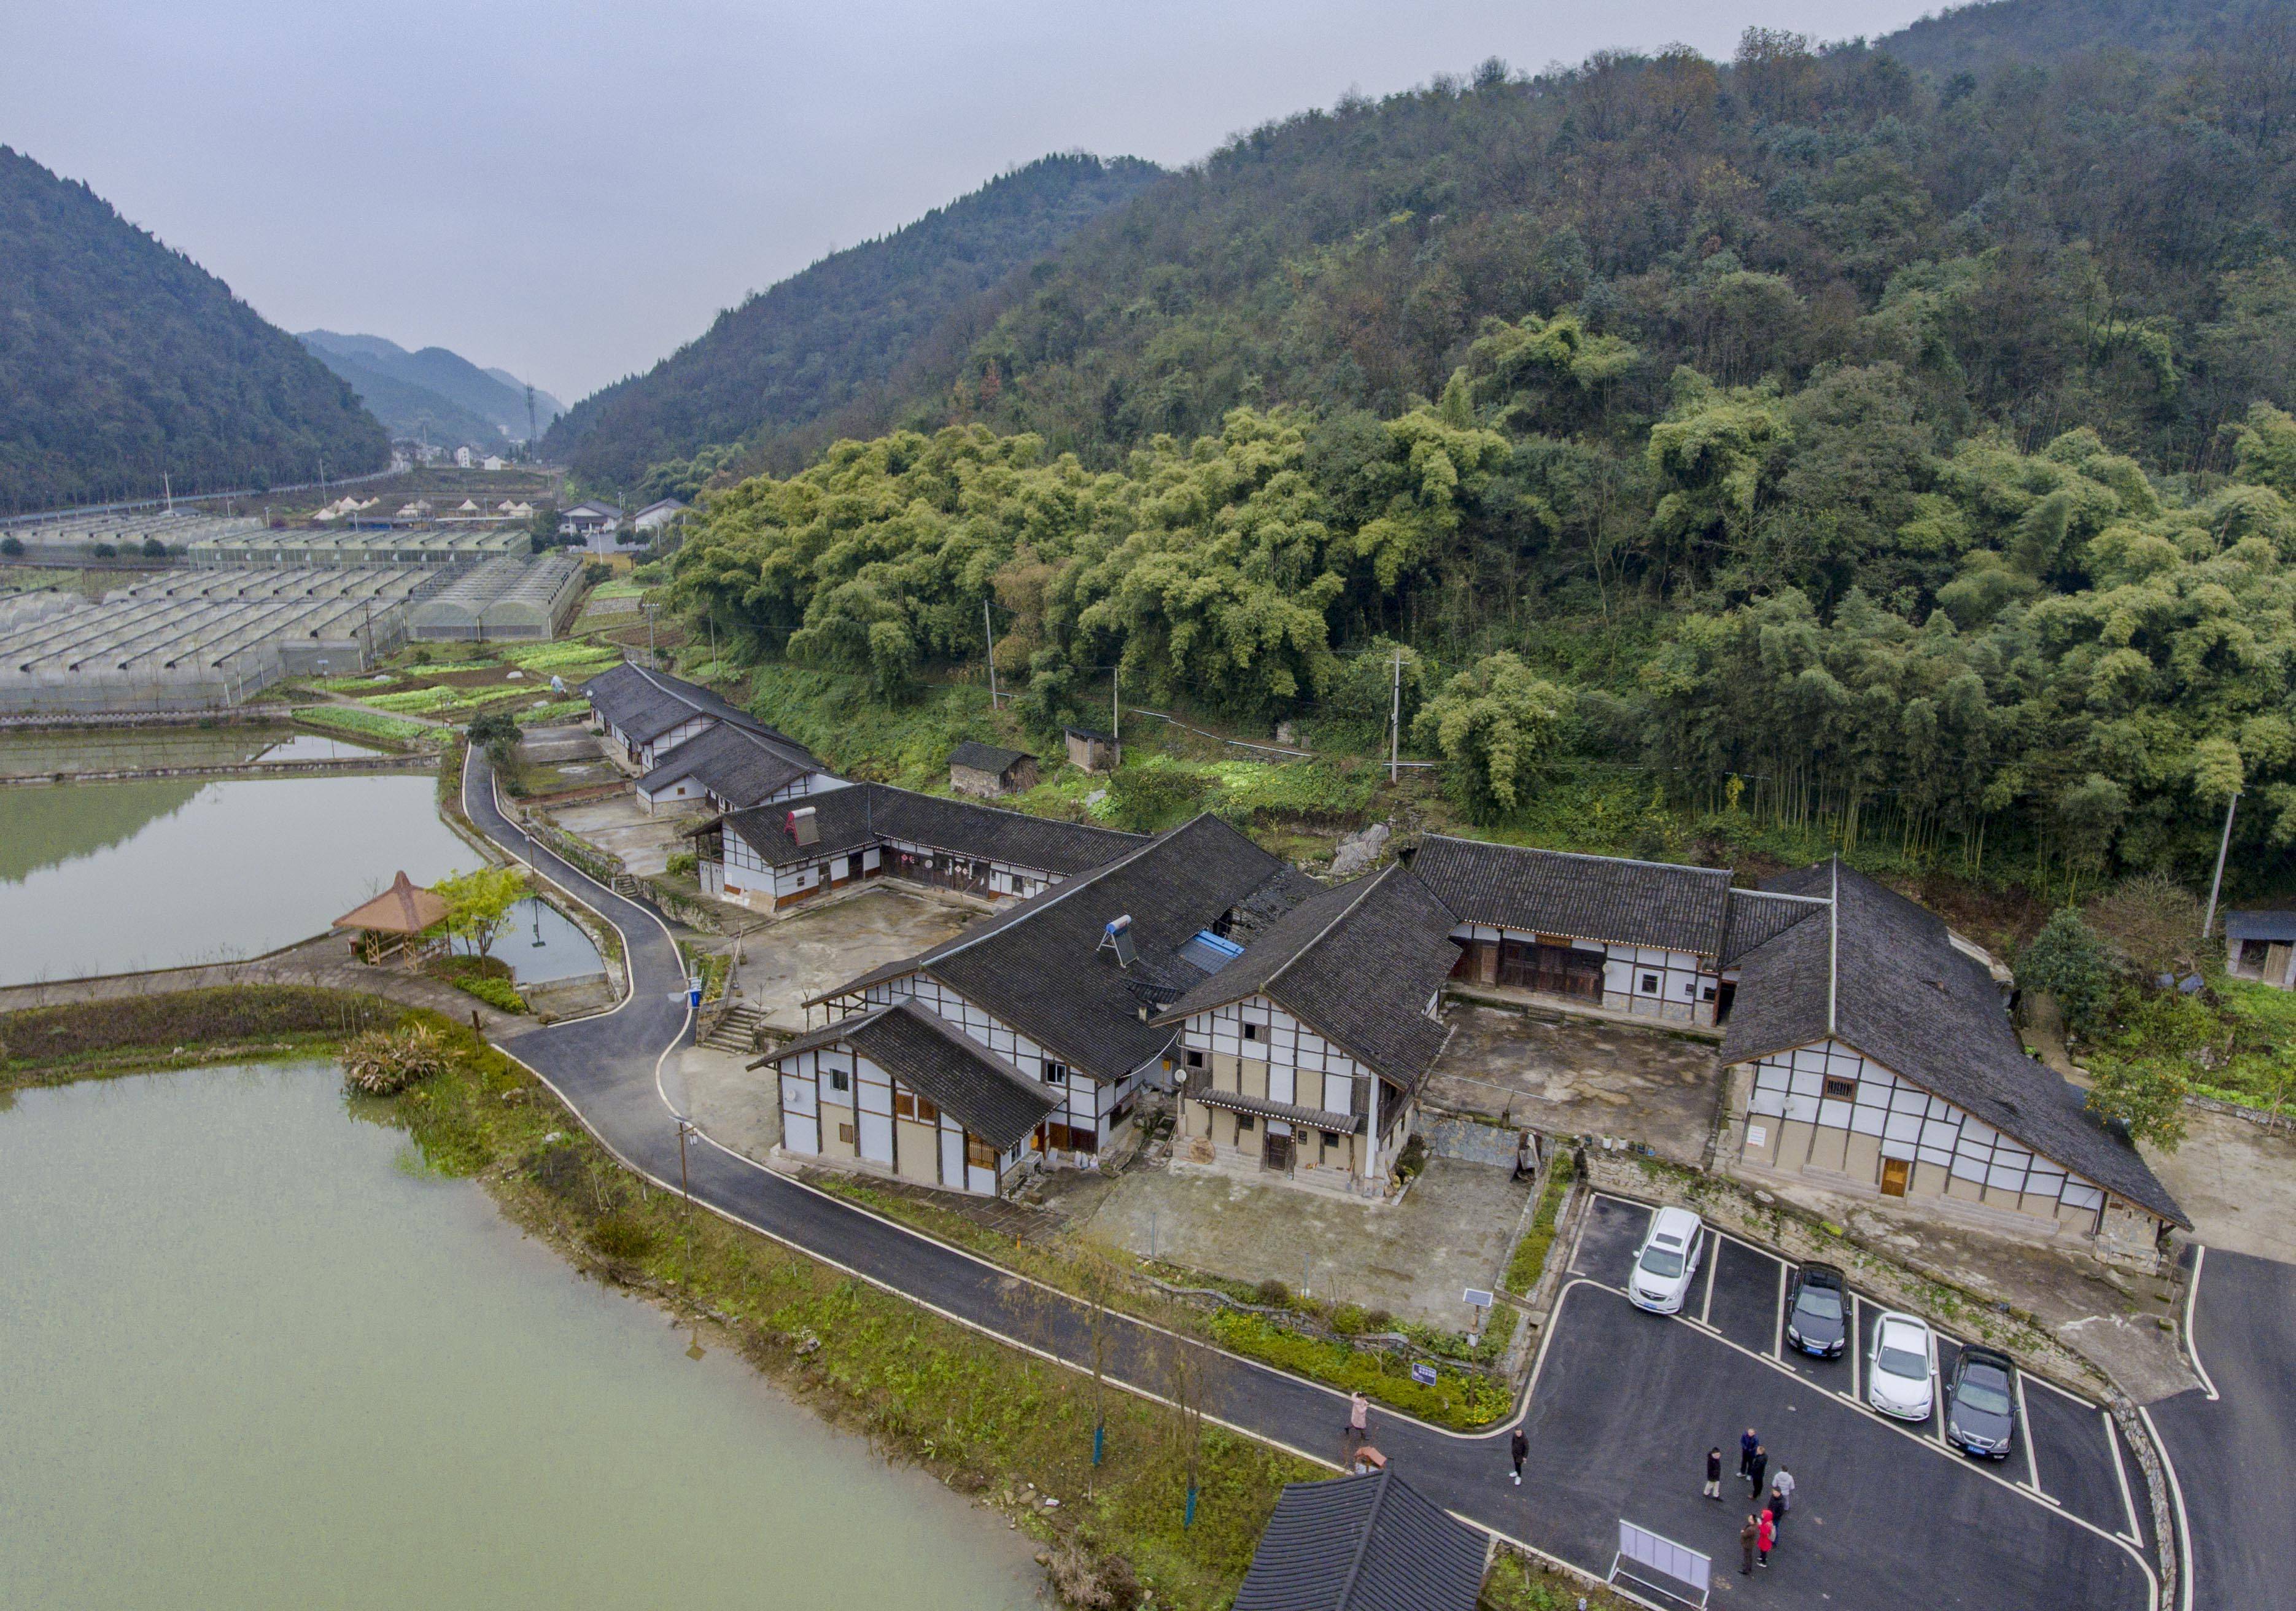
1116,703
2222,846
1395,727
988,631
167,491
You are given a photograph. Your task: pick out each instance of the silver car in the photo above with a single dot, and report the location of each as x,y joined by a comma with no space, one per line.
1667,1260
1902,1366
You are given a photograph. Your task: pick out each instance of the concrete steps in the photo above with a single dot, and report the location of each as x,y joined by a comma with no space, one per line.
736,1030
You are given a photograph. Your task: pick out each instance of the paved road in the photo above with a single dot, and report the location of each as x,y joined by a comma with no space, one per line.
1619,1414
2234,1447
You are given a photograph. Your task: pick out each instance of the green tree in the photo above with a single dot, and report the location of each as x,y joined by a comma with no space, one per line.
2145,1095
2069,962
1493,724
479,904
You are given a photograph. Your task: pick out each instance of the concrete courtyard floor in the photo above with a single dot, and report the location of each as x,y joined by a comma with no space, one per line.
1575,1076
621,826
1454,1229
2237,1182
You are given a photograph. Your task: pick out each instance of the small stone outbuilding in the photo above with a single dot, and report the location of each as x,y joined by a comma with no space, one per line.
986,771
2262,946
1093,750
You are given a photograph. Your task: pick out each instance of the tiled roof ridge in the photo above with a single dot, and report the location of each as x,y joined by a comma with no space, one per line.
1774,894
1347,908
1363,1540
1539,849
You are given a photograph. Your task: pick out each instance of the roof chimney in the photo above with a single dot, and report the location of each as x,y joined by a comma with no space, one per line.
801,825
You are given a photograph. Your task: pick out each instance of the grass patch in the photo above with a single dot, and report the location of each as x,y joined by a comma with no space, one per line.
120,1035
553,712
563,656
1529,1261
487,978
1514,1583
1459,1399
360,722
414,700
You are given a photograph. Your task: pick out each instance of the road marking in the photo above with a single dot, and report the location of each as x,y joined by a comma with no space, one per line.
1856,1394
2183,1523
2025,1418
2192,1302
1706,1309
2120,1476
1778,1330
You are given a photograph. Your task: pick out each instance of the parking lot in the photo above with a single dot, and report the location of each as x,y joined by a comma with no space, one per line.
1886,1512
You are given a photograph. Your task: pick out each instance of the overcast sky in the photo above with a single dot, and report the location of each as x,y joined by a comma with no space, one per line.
570,190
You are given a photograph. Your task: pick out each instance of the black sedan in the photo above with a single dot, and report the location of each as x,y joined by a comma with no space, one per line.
1815,1317
1980,1405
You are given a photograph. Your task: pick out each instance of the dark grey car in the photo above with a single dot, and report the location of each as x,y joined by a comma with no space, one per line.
1817,1311
1980,1404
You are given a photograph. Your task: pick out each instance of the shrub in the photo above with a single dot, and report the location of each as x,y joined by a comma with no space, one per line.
1529,1261
496,993
1413,1158
1272,1293
2070,963
153,548
1148,799
382,1063
622,1236
106,551
1458,1399
13,546
1377,1321
681,863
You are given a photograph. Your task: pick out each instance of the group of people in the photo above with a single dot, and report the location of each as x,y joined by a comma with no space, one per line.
1759,1536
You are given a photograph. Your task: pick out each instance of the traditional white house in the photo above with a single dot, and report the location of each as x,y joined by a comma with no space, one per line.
1063,985
1871,1055
1302,1053
732,765
495,461
648,717
899,1091
781,856
654,516
588,519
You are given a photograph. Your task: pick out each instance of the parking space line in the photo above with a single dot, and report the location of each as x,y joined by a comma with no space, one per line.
1778,1332
2120,1473
2025,1416
1706,1309
1857,1347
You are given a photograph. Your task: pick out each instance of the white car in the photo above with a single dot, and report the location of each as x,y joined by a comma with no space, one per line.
1667,1260
1902,1366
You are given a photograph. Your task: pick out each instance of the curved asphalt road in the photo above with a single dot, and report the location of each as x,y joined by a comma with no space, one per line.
2235,1448
1623,1389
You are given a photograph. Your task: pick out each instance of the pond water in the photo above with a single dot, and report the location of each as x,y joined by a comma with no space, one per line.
542,944
109,877
258,1360
45,753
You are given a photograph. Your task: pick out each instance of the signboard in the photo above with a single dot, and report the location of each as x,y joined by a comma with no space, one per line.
1476,1298
1679,1565
1424,1374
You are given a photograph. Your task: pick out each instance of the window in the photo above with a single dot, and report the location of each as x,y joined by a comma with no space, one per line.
1194,1059
1251,1031
979,1153
1244,1123
1840,1088
839,1080
844,1134
1649,984
910,1105
1055,1074
1331,1142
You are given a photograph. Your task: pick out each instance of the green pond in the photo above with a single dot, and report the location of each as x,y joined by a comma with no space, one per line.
115,877
259,1360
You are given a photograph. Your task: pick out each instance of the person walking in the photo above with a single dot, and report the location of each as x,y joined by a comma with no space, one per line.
1749,1536
1765,1536
1713,1488
1358,1421
1758,1466
1782,1492
1746,1447
1518,1451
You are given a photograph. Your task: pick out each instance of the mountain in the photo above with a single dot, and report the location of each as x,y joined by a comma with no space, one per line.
432,393
2001,31
546,408
775,371
122,360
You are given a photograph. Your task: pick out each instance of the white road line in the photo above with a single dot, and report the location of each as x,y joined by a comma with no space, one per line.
1937,1401
1706,1309
2120,1476
2183,1523
2025,1420
1856,1345
2192,1302
1778,1320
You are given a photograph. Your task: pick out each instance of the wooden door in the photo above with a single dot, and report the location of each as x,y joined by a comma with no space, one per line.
1277,1153
1894,1171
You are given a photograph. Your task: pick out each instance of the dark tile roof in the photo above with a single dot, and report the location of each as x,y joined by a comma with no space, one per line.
1315,1117
1092,733
1362,1543
1357,964
932,1056
986,757
2260,925
1758,917
1605,898
1038,968
645,704
1883,974
870,813
734,763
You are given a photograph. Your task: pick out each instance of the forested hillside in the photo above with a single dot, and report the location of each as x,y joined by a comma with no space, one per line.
773,373
121,360
433,390
1804,437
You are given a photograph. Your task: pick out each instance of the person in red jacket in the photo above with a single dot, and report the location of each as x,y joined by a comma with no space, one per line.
1766,1535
